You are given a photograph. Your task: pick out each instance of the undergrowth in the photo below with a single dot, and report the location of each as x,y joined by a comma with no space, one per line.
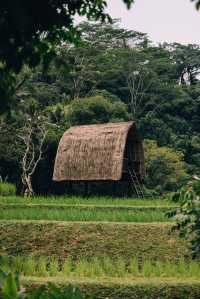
7,189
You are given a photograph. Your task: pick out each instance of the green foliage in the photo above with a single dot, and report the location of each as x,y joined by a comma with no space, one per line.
146,289
7,189
165,167
97,110
51,291
31,38
9,286
188,215
10,289
103,79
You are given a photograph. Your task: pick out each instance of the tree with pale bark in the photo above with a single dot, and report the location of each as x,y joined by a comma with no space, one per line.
33,136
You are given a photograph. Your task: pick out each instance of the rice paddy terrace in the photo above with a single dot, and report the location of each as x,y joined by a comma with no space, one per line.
113,248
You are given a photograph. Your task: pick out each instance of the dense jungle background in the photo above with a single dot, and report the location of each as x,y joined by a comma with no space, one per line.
112,75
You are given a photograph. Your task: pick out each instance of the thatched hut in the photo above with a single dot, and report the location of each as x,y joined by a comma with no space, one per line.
103,152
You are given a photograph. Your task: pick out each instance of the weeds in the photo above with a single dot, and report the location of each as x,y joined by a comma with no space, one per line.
7,189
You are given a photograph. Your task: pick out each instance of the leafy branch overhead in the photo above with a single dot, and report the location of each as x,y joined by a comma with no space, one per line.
30,30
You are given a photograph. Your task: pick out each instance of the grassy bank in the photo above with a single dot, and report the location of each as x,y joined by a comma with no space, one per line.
77,240
86,206
85,201
78,213
116,288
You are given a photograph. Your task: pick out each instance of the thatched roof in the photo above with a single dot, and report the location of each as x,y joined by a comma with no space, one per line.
92,152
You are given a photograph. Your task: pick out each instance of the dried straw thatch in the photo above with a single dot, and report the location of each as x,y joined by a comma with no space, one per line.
98,152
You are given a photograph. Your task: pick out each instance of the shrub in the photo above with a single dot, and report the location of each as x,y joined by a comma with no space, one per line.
187,216
7,189
166,170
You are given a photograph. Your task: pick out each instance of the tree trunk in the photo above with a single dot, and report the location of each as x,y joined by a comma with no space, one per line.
27,181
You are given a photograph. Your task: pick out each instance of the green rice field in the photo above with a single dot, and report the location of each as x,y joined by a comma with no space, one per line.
104,267
77,213
111,247
103,201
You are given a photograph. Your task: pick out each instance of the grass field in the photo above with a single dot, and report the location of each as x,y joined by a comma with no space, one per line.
81,214
103,201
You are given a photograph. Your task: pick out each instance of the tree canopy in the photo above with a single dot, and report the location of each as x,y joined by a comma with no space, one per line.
30,31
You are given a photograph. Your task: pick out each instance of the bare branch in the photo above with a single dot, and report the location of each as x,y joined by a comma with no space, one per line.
33,136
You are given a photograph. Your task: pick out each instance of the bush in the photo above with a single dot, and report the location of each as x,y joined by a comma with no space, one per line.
7,189
188,214
166,170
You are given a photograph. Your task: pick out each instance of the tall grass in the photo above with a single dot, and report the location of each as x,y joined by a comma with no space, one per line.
73,200
104,267
82,214
7,189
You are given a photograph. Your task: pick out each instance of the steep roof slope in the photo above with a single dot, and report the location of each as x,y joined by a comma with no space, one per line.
92,152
